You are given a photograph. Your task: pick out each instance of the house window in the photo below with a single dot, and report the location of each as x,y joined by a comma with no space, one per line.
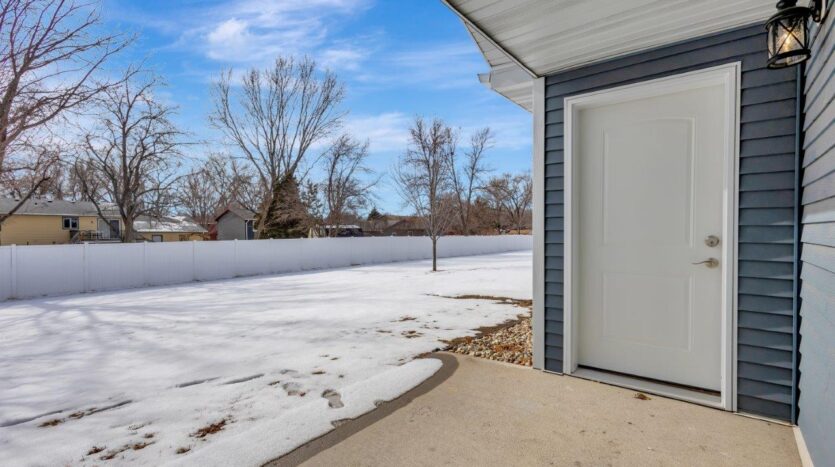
250,229
69,223
183,237
156,238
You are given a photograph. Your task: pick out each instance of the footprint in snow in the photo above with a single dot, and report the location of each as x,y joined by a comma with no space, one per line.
334,399
293,389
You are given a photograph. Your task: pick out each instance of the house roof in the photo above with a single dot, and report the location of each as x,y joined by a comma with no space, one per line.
524,39
237,210
44,207
177,224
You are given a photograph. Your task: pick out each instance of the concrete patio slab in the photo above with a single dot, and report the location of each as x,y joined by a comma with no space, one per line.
478,412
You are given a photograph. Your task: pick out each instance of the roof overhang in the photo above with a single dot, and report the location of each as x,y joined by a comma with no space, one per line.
525,39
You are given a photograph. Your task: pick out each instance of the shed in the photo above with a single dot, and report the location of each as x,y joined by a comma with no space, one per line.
235,223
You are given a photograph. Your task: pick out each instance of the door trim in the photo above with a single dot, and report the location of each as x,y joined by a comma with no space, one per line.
728,76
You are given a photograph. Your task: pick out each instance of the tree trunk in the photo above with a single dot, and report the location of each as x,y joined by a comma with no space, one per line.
434,254
129,234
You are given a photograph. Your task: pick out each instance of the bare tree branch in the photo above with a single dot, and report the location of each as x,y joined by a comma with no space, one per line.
423,177
132,156
347,187
275,119
512,194
466,181
49,53
219,182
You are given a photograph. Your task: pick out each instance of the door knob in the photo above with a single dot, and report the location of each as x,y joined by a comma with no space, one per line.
712,241
710,262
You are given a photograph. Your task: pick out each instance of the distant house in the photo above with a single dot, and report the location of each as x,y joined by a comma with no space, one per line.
60,222
55,222
169,229
342,230
235,223
393,226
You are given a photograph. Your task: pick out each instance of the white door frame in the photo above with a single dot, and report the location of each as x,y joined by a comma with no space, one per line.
727,75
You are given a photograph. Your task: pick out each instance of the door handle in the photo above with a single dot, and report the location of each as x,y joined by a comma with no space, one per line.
710,262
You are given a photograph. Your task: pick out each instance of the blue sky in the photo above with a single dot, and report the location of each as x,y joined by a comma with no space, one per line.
397,58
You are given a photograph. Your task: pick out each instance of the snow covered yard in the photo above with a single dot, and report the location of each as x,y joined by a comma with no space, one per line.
232,372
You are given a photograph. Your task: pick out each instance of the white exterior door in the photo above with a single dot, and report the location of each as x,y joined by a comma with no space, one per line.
649,204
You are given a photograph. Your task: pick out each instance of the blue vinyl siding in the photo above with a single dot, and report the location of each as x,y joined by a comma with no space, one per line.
768,140
817,311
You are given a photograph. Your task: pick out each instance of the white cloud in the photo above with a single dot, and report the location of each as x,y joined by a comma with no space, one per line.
343,58
254,31
433,65
387,131
229,35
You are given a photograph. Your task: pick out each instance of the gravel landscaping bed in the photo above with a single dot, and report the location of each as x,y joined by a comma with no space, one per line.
509,342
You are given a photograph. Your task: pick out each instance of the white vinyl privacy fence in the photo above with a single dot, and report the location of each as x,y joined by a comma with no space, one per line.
33,271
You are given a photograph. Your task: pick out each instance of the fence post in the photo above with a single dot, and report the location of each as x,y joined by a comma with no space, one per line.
13,292
235,258
85,271
193,260
144,264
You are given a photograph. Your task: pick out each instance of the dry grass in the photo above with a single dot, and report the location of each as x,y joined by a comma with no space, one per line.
53,422
209,429
521,303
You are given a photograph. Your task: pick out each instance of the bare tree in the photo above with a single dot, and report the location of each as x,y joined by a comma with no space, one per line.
495,195
466,181
347,187
233,182
520,199
37,172
49,52
199,196
133,155
312,201
513,194
422,177
275,119
218,182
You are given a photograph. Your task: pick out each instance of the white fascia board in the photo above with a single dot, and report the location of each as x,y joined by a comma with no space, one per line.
511,82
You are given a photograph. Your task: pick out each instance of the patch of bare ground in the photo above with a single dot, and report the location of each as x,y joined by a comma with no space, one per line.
115,452
509,342
521,303
183,450
210,429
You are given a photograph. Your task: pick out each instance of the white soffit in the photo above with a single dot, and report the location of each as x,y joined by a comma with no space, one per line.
547,36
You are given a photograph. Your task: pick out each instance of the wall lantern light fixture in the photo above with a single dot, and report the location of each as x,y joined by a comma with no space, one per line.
788,32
